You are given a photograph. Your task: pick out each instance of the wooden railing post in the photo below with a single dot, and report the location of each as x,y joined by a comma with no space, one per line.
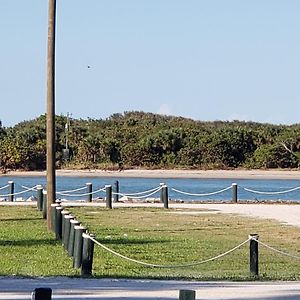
254,254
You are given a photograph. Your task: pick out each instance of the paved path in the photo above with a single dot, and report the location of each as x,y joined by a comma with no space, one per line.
66,288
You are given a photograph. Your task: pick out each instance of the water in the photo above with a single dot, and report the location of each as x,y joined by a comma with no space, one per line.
133,185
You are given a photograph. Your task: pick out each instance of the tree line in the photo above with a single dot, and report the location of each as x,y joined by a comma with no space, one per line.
145,140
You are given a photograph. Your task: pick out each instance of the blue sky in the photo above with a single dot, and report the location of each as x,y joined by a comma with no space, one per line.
206,60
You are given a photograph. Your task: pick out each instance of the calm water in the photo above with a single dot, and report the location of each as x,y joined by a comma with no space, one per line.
132,185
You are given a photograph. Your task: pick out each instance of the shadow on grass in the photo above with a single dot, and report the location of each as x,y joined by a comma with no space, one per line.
121,241
20,219
27,242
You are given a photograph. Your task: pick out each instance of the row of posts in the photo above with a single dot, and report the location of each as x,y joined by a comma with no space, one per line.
74,238
112,193
78,243
41,197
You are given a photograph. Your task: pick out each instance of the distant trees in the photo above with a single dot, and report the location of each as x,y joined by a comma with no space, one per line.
138,139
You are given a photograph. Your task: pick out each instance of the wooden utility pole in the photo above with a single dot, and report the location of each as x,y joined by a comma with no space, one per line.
51,181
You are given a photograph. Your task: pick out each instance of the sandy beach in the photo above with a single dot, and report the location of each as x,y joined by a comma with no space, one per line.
163,173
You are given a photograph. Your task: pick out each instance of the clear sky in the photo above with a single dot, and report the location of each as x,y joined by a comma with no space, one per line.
202,59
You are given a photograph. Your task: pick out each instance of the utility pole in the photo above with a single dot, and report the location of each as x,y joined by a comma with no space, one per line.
51,181
66,152
67,128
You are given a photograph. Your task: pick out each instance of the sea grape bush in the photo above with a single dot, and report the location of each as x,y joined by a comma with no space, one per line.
137,139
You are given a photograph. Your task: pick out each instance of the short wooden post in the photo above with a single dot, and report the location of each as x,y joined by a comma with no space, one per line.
116,191
187,295
234,193
87,255
63,214
161,192
254,254
165,196
44,211
11,187
39,196
72,237
89,190
67,226
58,224
41,294
53,216
108,189
78,241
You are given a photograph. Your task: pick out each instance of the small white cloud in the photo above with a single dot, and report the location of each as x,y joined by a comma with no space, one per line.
164,109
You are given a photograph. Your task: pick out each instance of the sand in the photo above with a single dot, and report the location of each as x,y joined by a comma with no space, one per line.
141,173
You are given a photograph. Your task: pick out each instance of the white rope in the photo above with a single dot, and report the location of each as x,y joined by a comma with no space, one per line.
15,194
139,193
144,196
80,195
167,266
4,187
200,195
71,191
30,189
272,193
278,251
26,187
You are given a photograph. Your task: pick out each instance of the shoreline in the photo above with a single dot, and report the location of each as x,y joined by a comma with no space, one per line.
142,173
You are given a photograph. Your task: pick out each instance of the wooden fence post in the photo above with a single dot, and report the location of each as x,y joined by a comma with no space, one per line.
254,254
187,295
108,190
87,255
78,241
11,185
58,223
116,191
89,190
67,226
39,196
63,214
234,193
41,294
161,192
165,196
70,249
44,210
53,216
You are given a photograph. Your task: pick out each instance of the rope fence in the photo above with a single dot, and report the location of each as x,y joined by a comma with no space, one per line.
79,244
19,193
156,189
81,195
204,194
253,239
278,251
196,263
142,196
271,193
4,187
73,193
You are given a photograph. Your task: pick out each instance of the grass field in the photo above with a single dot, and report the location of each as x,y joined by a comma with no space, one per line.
26,248
168,237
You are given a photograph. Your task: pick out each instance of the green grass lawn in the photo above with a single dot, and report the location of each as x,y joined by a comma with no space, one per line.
168,237
26,248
